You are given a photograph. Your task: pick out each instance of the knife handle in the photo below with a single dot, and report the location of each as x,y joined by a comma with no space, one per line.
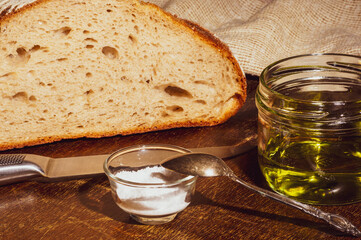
14,169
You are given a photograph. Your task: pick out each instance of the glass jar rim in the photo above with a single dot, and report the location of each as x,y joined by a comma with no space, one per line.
298,88
272,65
142,147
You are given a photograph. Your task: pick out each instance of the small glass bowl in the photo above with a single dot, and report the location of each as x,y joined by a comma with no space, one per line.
150,193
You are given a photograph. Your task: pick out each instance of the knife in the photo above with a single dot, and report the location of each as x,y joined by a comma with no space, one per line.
22,167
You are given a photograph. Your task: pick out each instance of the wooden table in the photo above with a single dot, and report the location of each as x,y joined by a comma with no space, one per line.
220,209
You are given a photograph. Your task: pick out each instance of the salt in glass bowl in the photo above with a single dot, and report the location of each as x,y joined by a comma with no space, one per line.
150,193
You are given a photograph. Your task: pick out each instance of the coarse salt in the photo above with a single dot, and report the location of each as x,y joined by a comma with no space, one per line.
144,175
156,200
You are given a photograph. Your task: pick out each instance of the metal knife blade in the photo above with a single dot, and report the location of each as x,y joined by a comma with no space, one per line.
21,167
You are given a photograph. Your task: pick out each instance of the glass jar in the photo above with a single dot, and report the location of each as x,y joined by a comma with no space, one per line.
309,128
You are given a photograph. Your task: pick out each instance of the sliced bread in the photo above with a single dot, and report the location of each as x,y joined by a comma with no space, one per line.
94,68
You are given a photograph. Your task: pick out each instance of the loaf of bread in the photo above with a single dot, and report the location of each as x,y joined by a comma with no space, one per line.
94,68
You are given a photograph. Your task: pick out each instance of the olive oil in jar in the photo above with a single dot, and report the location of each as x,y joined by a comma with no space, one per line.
316,171
309,134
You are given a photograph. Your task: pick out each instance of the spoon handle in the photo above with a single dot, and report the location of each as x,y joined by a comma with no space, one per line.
335,220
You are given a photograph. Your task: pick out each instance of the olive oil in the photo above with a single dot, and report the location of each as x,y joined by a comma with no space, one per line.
314,170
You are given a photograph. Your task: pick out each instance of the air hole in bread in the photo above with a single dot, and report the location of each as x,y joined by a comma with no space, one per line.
90,91
22,56
10,74
86,32
22,96
89,46
110,100
110,52
88,74
90,39
35,48
132,39
177,92
109,10
201,82
165,114
61,59
80,126
62,32
175,108
32,98
201,101
41,119
136,28
79,3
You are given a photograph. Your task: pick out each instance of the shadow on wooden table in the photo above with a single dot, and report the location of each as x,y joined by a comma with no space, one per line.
200,199
105,205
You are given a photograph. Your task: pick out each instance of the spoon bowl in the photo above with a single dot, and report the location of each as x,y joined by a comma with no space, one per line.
207,165
198,164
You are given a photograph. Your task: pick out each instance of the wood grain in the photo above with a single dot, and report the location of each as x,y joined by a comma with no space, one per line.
220,209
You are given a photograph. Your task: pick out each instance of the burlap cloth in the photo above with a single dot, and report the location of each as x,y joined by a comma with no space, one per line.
260,32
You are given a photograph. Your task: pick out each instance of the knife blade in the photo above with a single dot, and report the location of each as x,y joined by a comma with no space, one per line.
22,167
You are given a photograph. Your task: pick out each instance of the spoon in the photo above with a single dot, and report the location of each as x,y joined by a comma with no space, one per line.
206,165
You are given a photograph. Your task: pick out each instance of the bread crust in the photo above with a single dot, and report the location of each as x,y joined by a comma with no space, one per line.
204,35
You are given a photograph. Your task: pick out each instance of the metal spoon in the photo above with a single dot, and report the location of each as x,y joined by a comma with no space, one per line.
206,165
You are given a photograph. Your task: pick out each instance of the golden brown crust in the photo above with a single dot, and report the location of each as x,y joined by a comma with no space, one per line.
238,100
6,14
